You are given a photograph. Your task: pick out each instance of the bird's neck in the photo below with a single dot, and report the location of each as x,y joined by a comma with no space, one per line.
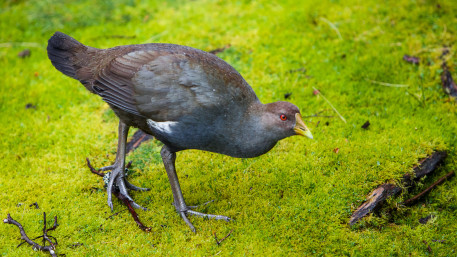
246,136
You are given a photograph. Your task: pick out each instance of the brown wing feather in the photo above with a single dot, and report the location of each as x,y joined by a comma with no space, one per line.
164,82
113,79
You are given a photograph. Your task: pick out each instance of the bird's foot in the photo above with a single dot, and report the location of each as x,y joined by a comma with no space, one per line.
187,210
107,176
115,182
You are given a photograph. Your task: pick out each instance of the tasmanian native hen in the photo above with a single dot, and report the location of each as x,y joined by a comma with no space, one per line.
184,97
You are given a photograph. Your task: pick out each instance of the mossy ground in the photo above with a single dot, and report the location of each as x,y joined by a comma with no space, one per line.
294,200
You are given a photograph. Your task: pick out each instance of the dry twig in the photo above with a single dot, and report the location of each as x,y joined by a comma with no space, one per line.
46,238
218,242
137,139
426,191
381,193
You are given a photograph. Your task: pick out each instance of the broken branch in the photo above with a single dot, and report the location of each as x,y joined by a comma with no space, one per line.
426,191
218,242
382,192
49,248
137,139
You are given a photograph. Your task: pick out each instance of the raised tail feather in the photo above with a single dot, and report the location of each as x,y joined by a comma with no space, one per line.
70,57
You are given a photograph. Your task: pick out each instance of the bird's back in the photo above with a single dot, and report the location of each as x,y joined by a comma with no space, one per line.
158,81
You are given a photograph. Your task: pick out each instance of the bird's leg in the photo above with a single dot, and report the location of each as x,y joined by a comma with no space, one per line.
117,177
169,159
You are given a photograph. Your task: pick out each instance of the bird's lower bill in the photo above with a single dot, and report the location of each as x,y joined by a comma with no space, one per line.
300,127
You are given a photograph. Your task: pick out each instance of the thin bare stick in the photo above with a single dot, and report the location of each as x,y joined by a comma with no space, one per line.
49,248
332,26
331,105
386,84
426,191
218,242
382,192
93,170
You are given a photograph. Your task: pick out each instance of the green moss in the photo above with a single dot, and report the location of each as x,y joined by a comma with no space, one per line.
294,200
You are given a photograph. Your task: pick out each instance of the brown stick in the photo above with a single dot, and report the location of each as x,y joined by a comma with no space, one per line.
137,139
382,192
49,248
218,242
426,191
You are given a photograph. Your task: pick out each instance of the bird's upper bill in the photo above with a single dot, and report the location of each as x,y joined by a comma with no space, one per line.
300,127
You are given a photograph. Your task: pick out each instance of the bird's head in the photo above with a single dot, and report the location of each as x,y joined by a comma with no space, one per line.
285,120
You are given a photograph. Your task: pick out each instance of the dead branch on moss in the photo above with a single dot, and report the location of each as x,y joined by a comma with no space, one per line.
382,192
121,197
35,204
218,242
46,238
137,139
412,200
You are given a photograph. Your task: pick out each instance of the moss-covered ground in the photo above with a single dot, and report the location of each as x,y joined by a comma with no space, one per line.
294,200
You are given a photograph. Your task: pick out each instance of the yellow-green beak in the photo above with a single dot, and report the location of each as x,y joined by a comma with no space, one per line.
300,127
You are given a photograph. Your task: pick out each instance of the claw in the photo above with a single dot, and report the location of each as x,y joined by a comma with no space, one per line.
184,214
133,187
184,217
209,216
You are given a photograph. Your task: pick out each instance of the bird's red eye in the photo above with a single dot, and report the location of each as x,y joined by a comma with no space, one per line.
283,117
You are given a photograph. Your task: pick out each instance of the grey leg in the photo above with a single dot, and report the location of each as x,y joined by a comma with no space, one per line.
169,159
117,176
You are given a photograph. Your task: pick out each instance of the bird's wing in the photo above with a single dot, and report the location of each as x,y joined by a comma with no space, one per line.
164,82
113,78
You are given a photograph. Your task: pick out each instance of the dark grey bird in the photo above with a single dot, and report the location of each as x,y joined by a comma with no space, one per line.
185,97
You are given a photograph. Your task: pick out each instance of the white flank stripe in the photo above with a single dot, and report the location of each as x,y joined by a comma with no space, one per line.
164,127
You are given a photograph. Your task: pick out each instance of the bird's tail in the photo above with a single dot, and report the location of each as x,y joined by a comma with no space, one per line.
70,56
